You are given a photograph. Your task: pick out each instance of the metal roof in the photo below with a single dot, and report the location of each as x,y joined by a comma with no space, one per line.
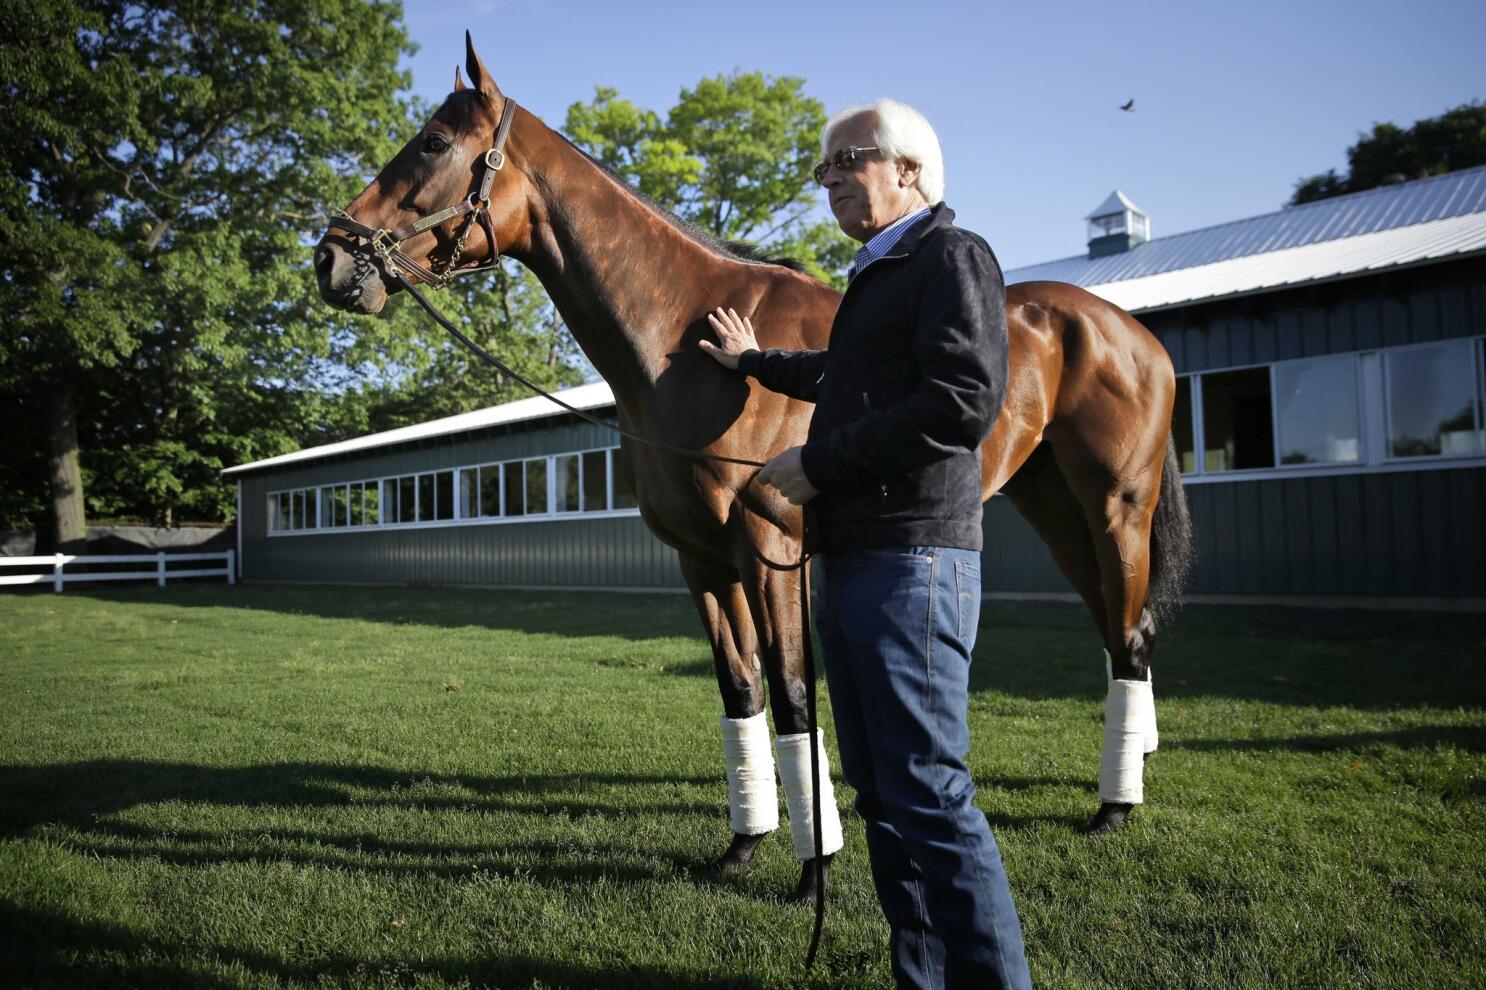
1441,197
590,396
1297,265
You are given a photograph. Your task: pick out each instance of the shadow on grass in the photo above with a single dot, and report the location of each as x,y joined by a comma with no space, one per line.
637,616
43,948
1376,661
83,796
1038,651
1470,738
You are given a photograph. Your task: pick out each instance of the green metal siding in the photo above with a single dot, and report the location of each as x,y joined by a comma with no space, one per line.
606,550
1419,533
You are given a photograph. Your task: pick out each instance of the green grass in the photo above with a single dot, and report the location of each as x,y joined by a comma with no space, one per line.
271,785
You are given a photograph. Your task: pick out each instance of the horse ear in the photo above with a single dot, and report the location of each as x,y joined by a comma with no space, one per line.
458,80
480,77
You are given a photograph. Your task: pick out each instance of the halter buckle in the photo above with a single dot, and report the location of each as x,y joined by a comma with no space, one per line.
383,242
498,163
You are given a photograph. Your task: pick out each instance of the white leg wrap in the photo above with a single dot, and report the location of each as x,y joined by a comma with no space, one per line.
753,802
1152,734
794,771
1129,733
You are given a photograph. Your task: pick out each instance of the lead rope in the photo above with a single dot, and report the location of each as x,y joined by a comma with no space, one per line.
802,566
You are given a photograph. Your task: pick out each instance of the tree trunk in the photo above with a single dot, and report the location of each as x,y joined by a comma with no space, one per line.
68,521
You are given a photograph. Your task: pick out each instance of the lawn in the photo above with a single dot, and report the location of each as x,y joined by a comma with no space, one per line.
265,786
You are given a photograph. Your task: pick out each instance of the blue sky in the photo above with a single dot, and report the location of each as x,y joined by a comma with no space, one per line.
1234,102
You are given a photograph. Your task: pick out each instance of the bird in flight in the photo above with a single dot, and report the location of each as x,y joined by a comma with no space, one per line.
1129,106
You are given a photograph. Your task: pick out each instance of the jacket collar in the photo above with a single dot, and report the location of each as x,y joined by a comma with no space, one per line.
940,216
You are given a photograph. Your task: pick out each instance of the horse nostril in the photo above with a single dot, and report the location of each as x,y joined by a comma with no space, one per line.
323,261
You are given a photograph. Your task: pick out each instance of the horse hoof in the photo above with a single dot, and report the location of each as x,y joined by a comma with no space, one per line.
738,856
805,889
1109,818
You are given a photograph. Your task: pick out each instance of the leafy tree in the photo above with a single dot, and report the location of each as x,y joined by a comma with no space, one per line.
734,156
1391,154
171,167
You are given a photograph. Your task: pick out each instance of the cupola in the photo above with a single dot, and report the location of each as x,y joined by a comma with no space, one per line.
1117,225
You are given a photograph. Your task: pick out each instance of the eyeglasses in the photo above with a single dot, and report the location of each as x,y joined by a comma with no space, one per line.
845,160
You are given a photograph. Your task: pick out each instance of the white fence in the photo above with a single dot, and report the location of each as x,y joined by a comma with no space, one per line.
60,562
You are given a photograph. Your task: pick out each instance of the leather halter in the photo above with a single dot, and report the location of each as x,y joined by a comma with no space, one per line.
475,207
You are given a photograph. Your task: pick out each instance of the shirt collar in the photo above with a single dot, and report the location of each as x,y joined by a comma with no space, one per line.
884,240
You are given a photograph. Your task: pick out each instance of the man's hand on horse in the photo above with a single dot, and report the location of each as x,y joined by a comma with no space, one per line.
786,473
734,335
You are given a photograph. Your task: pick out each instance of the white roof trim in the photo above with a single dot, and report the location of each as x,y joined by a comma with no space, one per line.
1307,263
590,396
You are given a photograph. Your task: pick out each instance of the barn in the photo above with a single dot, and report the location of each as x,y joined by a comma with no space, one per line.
1331,420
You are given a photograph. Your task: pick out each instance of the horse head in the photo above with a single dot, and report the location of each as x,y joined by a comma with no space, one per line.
424,213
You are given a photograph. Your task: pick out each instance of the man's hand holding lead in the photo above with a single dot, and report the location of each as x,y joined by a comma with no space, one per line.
786,473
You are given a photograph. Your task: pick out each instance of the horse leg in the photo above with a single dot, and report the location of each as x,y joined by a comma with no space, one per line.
1042,497
753,802
774,598
1118,511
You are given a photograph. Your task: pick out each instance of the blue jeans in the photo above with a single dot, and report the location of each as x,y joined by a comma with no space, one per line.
896,627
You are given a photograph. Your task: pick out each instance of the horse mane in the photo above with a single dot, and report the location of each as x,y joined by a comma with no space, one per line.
736,250
460,104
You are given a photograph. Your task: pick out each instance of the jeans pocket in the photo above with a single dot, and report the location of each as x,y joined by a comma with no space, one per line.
967,600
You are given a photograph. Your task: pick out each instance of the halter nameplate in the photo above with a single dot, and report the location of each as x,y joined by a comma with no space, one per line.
435,219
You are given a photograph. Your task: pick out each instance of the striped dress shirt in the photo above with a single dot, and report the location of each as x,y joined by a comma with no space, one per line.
883,241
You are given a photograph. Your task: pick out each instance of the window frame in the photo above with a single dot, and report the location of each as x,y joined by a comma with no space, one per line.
386,485
1473,344
1373,418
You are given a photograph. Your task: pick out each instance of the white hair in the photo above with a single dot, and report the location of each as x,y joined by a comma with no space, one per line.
903,134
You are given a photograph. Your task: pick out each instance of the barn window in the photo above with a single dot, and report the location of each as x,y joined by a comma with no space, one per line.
280,519
624,490
443,495
1432,401
1237,421
1181,425
515,489
565,482
1316,407
490,490
372,503
536,488
407,499
595,481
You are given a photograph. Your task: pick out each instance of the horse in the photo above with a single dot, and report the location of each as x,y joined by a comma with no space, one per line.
1082,446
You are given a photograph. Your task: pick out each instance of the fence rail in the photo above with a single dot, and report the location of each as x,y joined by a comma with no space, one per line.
59,563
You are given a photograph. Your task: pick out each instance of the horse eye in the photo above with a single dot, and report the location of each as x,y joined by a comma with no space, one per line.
435,144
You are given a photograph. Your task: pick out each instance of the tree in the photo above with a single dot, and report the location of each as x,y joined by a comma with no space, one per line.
170,162
173,167
734,156
1390,154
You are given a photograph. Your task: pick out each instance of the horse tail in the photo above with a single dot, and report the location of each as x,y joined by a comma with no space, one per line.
1172,549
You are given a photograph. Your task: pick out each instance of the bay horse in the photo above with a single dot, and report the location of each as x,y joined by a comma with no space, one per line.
1082,446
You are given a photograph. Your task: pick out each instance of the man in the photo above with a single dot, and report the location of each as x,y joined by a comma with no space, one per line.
890,475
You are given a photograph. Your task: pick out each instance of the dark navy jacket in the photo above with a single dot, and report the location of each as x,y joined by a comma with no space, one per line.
912,379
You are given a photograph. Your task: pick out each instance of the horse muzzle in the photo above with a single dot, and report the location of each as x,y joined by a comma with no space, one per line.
349,279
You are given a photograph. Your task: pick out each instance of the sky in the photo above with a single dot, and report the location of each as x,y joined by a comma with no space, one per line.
1233,102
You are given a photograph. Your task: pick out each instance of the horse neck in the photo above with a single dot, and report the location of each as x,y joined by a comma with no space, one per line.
625,280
